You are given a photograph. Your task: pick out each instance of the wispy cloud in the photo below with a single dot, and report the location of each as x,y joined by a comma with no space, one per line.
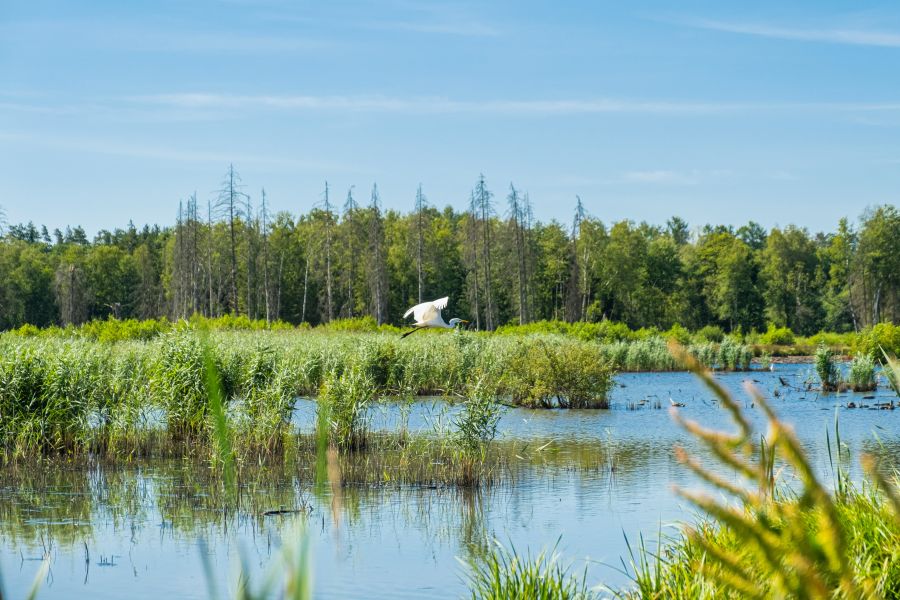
445,18
378,103
857,37
427,104
670,177
155,37
466,29
194,106
145,151
660,176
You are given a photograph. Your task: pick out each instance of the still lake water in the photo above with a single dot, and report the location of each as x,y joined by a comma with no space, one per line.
138,530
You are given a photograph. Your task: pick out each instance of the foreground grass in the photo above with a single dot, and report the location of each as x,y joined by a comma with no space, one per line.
503,574
757,540
729,561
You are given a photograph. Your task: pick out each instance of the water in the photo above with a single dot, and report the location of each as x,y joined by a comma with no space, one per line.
144,530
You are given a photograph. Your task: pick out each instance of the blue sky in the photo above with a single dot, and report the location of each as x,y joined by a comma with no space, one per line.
771,111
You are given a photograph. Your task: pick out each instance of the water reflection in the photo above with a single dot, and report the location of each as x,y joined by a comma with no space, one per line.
115,530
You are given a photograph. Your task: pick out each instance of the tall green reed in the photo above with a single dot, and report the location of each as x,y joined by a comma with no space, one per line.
861,376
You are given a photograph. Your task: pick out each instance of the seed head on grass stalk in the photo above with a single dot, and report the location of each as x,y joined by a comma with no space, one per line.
794,548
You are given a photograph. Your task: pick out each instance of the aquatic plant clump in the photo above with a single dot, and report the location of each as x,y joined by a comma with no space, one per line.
861,376
829,375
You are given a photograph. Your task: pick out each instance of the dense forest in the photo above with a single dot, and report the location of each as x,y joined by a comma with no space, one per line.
349,258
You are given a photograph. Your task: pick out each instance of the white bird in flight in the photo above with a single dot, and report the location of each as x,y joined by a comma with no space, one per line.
428,314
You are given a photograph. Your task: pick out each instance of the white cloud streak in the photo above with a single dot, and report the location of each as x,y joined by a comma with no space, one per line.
463,29
428,105
196,106
143,151
212,101
155,38
856,37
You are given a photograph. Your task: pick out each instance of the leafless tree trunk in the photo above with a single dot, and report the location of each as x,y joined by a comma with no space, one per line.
231,197
377,272
71,294
305,288
209,255
265,248
573,295
329,306
516,217
351,215
249,227
420,241
483,197
473,250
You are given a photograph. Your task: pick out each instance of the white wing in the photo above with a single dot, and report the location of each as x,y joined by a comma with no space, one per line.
427,311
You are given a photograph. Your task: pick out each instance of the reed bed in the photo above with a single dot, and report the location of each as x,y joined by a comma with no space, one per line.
75,395
652,354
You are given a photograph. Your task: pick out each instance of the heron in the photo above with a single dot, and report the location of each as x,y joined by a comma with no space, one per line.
428,315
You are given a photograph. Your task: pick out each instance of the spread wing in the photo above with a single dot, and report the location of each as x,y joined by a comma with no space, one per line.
427,311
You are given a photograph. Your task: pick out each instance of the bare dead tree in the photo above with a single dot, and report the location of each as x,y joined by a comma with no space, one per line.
351,217
516,216
231,199
267,293
485,208
377,268
472,246
329,218
194,259
573,295
71,294
249,231
421,204
528,254
209,255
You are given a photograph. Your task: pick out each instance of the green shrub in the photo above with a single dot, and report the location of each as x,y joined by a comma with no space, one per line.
558,372
778,336
710,333
356,324
679,334
27,330
871,340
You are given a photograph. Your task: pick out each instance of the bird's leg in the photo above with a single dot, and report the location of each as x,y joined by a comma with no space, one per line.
414,329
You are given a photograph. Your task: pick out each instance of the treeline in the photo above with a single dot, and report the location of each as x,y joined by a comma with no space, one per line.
348,257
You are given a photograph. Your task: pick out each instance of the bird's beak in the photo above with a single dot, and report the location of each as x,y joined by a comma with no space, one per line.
463,321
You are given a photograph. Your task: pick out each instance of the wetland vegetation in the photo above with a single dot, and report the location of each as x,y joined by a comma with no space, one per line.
159,379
